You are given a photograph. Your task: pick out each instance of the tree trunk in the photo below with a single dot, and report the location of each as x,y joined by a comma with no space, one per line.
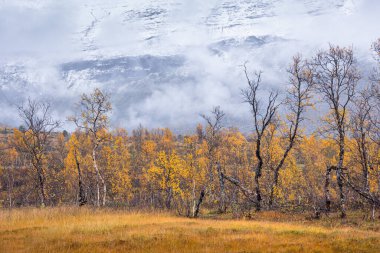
341,194
364,157
194,198
327,189
273,186
41,182
222,194
258,193
10,186
373,212
248,193
97,190
339,171
104,192
98,179
82,196
198,205
168,201
258,173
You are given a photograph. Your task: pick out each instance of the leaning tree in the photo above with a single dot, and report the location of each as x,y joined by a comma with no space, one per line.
213,139
298,99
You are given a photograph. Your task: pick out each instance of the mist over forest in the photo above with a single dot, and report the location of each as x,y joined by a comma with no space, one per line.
190,126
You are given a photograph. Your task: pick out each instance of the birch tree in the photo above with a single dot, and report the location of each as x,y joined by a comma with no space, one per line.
297,101
263,114
93,119
335,77
213,138
36,139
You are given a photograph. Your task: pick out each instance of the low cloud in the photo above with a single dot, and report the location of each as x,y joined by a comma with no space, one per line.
165,62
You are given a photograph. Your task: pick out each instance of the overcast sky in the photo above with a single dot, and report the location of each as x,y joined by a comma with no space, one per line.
55,50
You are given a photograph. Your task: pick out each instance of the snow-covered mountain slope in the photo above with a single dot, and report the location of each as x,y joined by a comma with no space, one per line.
164,62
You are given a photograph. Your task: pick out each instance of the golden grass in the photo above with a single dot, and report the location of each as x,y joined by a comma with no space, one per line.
72,229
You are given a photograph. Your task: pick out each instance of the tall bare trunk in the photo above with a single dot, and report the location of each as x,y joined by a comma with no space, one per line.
339,171
365,162
327,189
365,165
97,190
258,191
99,179
82,196
258,174
104,192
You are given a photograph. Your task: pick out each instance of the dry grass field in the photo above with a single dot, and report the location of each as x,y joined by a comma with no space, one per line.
69,229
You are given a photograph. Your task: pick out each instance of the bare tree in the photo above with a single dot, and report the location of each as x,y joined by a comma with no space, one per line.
362,127
376,73
39,126
375,91
375,116
93,119
365,131
335,77
298,99
361,130
263,117
213,139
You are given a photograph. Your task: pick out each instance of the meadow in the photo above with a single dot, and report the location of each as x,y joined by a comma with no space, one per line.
71,229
